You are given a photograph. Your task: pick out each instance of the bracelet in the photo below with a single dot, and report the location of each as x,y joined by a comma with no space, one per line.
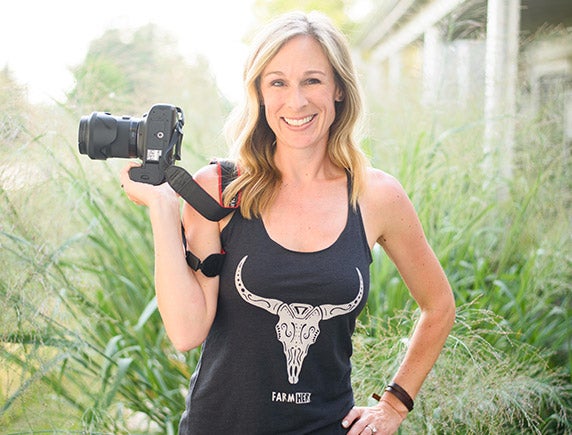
401,394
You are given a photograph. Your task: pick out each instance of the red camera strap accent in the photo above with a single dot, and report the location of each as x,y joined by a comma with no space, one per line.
227,172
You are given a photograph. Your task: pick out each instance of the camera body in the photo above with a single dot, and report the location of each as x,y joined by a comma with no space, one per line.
155,139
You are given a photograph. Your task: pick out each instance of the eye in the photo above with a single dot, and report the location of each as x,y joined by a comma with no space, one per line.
313,81
277,83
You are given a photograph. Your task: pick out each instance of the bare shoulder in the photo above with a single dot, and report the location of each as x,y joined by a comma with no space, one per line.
385,206
208,178
382,189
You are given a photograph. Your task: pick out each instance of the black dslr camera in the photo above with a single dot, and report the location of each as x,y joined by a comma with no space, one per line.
155,139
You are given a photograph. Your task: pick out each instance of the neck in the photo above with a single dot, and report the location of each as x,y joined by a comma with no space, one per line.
301,166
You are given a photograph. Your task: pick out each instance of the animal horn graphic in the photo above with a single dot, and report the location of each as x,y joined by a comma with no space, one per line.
298,324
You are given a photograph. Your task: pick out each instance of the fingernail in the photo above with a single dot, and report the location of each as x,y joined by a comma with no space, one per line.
345,423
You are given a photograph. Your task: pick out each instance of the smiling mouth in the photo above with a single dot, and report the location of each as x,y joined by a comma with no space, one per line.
299,122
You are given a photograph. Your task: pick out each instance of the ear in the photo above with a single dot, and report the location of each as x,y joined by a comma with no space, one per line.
339,95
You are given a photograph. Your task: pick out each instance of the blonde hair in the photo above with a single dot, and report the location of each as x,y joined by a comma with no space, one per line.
249,134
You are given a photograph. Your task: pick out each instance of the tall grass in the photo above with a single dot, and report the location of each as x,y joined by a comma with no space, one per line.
475,387
110,343
81,315
512,255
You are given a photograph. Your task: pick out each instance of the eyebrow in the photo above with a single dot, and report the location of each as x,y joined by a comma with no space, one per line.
306,73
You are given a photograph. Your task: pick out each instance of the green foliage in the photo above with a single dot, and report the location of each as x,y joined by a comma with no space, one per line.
510,254
337,10
475,387
119,66
97,340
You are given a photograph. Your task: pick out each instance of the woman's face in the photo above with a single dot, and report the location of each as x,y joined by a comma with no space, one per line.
299,91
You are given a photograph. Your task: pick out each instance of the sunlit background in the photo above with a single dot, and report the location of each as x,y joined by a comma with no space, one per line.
41,40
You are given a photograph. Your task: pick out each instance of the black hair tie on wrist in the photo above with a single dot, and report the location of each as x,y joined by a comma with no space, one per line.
401,394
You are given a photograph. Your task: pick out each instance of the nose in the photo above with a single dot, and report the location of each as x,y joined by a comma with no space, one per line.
296,98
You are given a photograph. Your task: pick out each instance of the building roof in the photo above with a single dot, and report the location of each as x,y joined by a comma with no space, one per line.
398,23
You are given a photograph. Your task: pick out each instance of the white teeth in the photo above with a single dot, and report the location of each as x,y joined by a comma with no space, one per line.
299,122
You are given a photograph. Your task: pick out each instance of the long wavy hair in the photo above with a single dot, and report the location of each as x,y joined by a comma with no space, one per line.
247,130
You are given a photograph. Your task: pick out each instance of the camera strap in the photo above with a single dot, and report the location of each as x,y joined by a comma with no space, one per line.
209,208
185,185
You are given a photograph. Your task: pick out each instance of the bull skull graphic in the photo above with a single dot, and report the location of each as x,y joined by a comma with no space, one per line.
298,324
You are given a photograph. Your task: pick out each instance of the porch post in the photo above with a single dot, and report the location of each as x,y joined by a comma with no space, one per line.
501,71
432,65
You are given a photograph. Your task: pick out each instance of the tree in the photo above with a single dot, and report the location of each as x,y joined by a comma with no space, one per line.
340,11
124,71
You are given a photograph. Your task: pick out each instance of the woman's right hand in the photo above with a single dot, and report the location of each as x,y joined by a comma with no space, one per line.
143,193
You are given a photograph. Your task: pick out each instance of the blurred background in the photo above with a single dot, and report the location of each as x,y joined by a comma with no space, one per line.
469,105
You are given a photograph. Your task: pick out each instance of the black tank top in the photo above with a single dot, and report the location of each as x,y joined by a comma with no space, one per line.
277,358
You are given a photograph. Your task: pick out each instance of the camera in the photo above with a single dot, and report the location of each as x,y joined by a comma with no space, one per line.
154,138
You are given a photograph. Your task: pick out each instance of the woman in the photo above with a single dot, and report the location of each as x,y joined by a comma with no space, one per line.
276,325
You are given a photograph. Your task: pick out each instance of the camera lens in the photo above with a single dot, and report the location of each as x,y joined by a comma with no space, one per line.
102,135
82,135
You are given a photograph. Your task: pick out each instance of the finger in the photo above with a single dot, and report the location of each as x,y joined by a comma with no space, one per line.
124,173
363,428
360,422
130,164
349,419
370,429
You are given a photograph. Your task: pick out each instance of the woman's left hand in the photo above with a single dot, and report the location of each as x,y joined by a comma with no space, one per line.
382,419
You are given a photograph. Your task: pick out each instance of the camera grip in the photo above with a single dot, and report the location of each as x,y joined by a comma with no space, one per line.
150,173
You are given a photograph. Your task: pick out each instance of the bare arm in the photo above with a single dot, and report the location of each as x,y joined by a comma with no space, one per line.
391,220
186,300
404,241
